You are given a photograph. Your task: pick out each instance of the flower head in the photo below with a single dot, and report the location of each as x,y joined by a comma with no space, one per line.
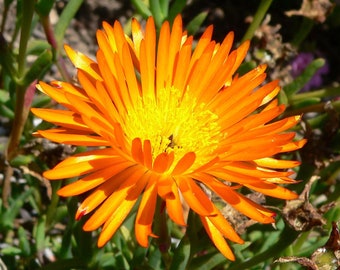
169,122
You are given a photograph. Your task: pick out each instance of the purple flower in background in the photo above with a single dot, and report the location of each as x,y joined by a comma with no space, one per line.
301,61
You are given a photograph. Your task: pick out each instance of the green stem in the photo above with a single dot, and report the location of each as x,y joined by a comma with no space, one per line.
299,242
258,17
4,18
327,92
52,207
48,29
6,188
28,7
286,238
321,107
18,124
161,230
20,111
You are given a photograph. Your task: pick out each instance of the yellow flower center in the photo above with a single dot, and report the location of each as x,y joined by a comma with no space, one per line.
174,124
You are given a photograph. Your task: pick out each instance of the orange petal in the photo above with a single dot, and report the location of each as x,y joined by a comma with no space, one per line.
195,197
145,213
72,89
252,153
252,170
62,118
55,93
85,110
82,62
147,60
237,95
182,66
199,70
137,35
115,221
270,96
217,238
276,163
121,83
99,96
100,194
273,190
130,75
238,201
174,206
174,45
292,146
108,30
164,184
233,177
162,56
224,227
256,120
219,80
242,51
117,217
83,163
163,162
93,180
214,67
107,47
137,150
69,137
202,44
131,182
147,151
208,165
111,83
184,163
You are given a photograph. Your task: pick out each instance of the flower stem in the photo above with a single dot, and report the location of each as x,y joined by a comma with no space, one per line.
52,207
19,114
48,29
326,92
161,230
4,18
320,107
258,17
28,7
20,111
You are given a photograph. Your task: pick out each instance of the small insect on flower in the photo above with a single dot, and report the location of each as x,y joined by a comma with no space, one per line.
169,122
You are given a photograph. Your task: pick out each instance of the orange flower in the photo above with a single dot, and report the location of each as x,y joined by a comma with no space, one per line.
167,121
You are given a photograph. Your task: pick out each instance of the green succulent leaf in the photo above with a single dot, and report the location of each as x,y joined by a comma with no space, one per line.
65,18
43,7
142,8
176,8
194,25
38,68
304,78
181,255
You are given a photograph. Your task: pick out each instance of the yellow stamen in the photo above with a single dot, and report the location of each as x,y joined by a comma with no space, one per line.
174,124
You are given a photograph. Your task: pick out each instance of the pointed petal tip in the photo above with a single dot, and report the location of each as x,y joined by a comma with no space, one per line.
80,213
49,174
101,242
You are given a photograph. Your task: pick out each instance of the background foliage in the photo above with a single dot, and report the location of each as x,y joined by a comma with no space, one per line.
298,40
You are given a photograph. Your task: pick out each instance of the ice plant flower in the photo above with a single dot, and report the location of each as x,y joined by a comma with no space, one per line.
169,122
